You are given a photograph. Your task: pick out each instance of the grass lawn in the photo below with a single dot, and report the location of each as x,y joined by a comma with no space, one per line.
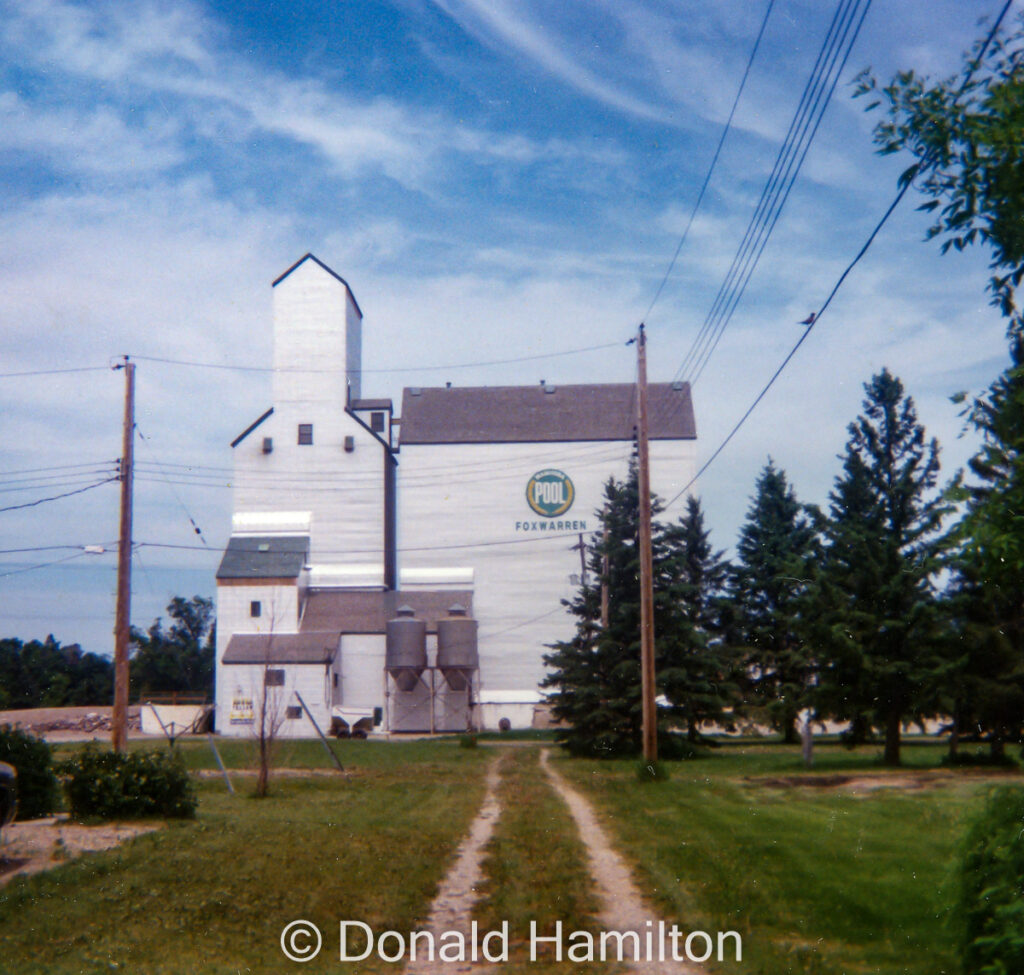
816,880
211,896
536,867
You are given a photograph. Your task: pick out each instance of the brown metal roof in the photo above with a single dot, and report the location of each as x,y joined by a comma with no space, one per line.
353,611
281,648
371,404
542,414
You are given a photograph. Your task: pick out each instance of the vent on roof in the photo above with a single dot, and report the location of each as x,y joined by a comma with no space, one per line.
415,391
550,389
268,445
677,386
264,546
350,444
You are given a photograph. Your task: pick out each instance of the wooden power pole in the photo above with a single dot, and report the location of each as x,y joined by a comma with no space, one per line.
122,627
650,717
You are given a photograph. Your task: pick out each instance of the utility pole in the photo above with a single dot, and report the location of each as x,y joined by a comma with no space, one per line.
650,718
581,547
122,627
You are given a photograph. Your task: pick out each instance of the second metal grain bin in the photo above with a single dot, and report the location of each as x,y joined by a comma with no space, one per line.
457,655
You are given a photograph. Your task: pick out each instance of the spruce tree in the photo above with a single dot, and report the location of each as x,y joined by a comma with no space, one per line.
767,587
595,676
698,675
987,592
881,629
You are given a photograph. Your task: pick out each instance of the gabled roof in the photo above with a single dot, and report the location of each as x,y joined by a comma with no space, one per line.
249,429
264,557
281,648
330,271
356,611
543,414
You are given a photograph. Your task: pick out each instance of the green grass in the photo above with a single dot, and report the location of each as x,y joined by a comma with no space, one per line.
818,881
535,866
212,896
815,880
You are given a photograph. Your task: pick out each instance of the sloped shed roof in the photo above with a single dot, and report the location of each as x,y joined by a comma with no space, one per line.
264,557
356,611
542,414
281,648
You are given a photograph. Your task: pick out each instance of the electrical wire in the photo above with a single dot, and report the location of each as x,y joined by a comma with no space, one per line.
52,372
842,277
42,565
396,369
57,497
188,514
803,127
711,167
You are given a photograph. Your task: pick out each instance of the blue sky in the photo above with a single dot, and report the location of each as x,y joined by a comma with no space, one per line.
495,179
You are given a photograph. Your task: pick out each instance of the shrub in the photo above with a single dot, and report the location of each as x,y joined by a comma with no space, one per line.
38,794
992,887
106,785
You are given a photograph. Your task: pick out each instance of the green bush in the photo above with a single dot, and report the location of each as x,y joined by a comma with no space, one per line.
38,794
103,784
992,887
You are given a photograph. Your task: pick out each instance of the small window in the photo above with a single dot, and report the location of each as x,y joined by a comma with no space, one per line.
255,609
335,680
274,678
305,434
293,711
377,422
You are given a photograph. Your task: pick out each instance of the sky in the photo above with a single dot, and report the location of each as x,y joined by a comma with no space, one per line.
495,179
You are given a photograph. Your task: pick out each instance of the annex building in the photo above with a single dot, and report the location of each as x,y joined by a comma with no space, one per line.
403,570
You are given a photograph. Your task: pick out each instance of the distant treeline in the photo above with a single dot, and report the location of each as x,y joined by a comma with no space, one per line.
46,674
179,660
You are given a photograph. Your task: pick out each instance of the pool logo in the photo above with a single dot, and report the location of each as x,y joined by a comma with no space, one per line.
550,493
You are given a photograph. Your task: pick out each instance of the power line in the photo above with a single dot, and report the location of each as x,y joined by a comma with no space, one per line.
42,565
927,161
54,548
57,497
714,161
40,470
52,372
167,481
396,369
803,127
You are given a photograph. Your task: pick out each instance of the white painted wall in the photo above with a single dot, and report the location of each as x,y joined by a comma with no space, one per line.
245,681
465,494
280,614
317,340
343,490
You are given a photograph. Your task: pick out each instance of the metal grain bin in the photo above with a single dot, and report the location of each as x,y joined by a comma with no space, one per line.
457,654
406,648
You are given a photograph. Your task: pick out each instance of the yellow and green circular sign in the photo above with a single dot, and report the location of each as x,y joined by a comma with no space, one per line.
550,493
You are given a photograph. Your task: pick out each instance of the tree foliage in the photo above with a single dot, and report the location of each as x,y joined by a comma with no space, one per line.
987,594
699,675
965,134
878,621
595,677
45,674
776,542
179,659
